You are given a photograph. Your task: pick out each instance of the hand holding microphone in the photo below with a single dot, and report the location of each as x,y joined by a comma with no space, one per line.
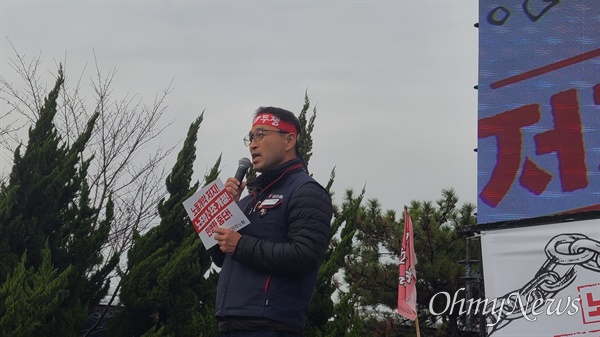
234,185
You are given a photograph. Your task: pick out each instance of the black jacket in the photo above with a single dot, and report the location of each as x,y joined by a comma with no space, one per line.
272,273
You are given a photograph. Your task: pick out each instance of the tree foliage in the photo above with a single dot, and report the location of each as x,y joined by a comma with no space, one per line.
46,202
333,309
31,297
307,124
372,268
125,165
127,169
170,289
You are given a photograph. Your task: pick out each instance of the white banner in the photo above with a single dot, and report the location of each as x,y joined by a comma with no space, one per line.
545,280
213,207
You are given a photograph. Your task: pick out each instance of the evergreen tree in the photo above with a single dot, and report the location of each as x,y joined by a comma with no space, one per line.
328,317
122,170
439,250
332,311
46,200
306,128
372,268
169,290
31,296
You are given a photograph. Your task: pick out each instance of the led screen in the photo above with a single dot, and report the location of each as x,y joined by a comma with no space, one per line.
538,108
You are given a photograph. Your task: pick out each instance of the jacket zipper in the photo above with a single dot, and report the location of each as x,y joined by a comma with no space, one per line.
267,290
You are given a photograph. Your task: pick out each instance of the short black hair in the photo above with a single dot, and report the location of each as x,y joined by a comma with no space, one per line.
283,114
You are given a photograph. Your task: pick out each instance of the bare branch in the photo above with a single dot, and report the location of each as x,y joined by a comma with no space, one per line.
128,162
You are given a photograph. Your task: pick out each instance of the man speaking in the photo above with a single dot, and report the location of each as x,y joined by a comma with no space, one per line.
269,268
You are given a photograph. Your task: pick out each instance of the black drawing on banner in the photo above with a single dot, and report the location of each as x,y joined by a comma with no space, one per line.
534,10
534,18
565,254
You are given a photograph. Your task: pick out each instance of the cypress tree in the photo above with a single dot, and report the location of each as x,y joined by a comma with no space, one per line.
331,312
306,125
329,317
31,296
169,290
46,200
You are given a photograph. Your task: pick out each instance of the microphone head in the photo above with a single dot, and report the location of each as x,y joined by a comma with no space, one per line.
245,163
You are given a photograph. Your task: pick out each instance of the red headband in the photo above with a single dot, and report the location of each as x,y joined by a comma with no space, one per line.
274,121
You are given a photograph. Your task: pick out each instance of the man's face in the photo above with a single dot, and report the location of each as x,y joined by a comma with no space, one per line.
270,151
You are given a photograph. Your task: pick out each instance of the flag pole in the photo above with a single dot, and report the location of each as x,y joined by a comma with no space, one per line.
417,317
417,328
407,291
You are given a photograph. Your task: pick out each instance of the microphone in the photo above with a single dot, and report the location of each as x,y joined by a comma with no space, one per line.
244,165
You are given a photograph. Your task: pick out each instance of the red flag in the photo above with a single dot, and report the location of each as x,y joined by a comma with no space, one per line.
407,290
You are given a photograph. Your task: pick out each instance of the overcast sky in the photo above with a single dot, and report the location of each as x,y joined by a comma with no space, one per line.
392,80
